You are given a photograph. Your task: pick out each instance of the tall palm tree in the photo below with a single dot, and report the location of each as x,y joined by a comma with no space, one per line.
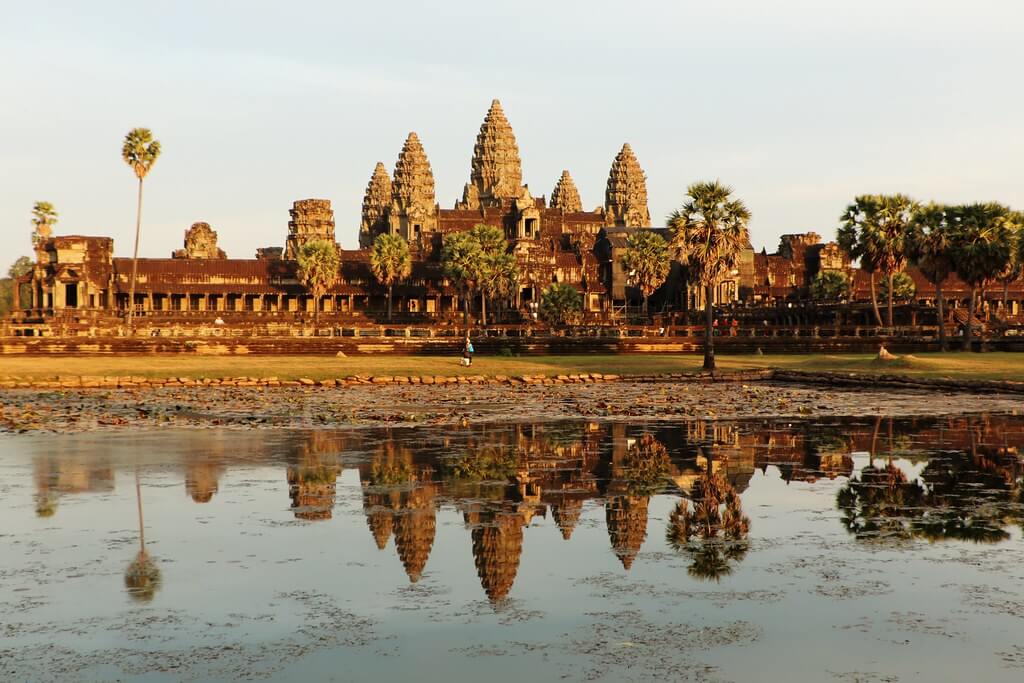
647,261
390,262
44,217
708,233
319,263
460,255
496,269
930,247
875,229
981,249
1013,269
140,151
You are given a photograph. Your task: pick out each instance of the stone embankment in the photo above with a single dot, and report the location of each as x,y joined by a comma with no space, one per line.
829,379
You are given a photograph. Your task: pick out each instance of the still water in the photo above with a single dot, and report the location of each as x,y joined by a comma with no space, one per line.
847,550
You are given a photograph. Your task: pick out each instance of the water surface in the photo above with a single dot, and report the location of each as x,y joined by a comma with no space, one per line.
850,550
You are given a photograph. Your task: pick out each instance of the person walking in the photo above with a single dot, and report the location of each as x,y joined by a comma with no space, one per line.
467,353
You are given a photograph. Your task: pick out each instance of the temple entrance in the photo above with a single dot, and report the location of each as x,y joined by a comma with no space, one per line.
71,295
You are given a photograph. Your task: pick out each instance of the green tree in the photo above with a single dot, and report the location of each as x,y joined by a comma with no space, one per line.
497,270
1012,271
460,256
140,151
319,262
390,262
561,304
708,234
44,217
930,249
903,287
981,249
830,285
18,268
647,262
875,230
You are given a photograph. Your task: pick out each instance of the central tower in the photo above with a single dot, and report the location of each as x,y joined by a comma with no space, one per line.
496,175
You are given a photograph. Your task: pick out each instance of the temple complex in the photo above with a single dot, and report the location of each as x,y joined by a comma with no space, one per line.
79,287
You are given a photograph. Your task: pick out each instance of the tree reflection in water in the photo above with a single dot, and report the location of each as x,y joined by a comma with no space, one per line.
142,579
711,528
965,495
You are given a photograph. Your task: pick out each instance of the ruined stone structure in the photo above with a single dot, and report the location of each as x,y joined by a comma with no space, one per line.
200,243
312,220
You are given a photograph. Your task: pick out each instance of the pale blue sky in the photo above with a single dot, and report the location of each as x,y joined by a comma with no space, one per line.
799,104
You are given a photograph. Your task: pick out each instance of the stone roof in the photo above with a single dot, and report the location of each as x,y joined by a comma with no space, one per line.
565,196
412,188
626,195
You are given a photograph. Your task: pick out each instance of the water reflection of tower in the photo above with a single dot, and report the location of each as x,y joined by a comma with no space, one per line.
497,536
399,495
202,479
56,476
638,468
312,479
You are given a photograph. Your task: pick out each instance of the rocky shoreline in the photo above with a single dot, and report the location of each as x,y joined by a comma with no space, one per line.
78,405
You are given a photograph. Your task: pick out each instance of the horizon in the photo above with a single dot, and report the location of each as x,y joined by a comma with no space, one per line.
807,108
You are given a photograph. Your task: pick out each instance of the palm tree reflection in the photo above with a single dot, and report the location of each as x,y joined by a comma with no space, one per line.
142,578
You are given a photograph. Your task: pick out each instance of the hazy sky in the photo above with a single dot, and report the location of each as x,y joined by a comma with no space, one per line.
799,104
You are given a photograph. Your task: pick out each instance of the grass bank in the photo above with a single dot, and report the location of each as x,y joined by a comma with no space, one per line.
1008,366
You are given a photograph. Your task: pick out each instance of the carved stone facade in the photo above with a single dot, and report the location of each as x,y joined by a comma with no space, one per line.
312,220
200,243
413,212
625,202
496,174
565,196
376,202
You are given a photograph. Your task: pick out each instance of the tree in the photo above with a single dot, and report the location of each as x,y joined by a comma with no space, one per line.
647,262
18,268
561,304
830,285
708,234
981,249
903,287
318,270
44,217
875,230
460,256
1013,269
497,270
930,249
390,262
140,151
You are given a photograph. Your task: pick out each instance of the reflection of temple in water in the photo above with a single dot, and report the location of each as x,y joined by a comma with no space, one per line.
501,476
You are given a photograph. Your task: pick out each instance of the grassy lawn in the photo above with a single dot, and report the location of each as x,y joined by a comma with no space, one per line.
979,366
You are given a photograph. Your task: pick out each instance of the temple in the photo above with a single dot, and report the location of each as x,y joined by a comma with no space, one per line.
79,287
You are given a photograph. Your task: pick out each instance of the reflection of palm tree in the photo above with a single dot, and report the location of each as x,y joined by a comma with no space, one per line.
142,578
711,528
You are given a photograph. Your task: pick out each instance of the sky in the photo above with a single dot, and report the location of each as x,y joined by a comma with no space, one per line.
799,105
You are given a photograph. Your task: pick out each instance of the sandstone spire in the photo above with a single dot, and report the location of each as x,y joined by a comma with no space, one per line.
625,202
626,518
375,206
496,172
413,186
565,196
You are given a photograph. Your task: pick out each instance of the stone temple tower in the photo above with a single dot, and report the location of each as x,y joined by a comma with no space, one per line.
413,211
625,199
496,172
312,219
375,206
565,196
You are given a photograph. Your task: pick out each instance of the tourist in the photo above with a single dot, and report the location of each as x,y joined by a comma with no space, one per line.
467,353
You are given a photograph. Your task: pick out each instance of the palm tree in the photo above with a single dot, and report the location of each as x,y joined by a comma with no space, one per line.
830,285
44,217
140,152
1012,271
390,262
930,248
981,249
318,270
647,261
875,229
708,234
460,256
496,270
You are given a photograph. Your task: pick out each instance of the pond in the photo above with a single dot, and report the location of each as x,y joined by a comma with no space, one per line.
867,549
